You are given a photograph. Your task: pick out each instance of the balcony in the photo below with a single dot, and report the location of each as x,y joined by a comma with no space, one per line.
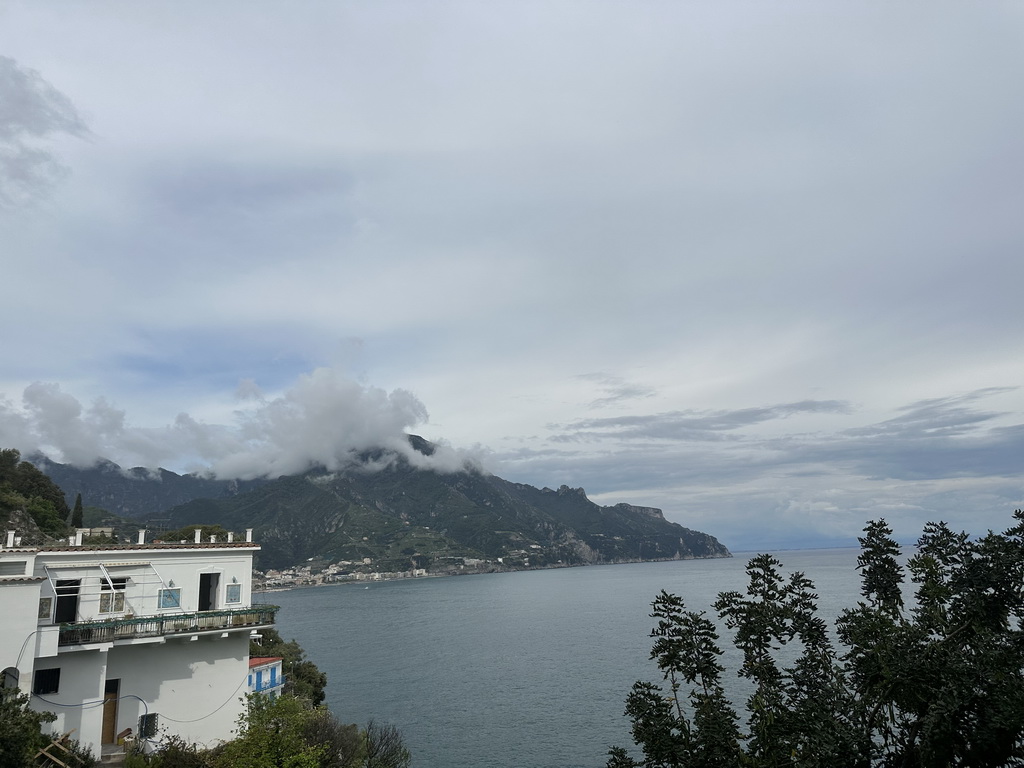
83,632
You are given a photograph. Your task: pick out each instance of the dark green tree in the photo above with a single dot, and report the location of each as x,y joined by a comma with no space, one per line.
23,486
78,513
286,733
939,685
9,460
31,482
20,735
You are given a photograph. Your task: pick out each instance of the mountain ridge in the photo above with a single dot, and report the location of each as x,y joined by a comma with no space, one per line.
398,517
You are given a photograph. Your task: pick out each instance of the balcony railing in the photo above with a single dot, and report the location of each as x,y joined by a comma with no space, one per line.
107,631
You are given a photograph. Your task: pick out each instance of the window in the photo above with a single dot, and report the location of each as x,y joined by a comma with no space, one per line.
10,677
67,600
46,681
234,593
170,598
13,567
148,725
112,594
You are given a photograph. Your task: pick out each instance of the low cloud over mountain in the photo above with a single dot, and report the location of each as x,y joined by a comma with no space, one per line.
323,419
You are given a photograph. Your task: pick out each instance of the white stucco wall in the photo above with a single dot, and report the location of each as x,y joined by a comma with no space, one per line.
149,572
19,602
198,688
78,702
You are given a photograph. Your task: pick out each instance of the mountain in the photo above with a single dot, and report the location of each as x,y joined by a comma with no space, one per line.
137,493
400,517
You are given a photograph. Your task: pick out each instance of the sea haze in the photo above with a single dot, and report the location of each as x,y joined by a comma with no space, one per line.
515,669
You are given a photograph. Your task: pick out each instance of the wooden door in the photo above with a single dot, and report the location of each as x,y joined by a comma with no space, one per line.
110,695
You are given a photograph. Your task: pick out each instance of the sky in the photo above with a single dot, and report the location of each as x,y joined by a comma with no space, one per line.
756,264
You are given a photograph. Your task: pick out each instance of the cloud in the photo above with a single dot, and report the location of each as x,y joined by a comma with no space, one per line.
761,481
616,390
323,419
31,110
689,425
782,257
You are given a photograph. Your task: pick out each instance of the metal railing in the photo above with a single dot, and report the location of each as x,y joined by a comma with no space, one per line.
107,631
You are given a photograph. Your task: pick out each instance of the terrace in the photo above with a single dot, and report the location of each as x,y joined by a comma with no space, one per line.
110,630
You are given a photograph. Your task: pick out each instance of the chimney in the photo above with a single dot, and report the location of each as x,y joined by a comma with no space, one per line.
78,538
231,536
71,541
199,535
213,539
142,536
10,539
248,534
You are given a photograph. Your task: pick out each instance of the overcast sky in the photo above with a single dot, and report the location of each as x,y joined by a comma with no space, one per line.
757,264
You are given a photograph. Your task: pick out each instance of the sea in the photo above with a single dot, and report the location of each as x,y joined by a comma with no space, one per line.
528,669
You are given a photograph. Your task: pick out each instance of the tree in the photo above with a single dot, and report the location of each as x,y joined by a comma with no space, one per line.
271,735
78,513
383,747
23,486
939,685
20,734
285,733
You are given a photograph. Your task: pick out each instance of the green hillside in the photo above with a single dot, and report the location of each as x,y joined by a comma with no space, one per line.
399,517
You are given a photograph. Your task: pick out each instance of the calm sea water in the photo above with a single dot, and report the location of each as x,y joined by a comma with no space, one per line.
514,670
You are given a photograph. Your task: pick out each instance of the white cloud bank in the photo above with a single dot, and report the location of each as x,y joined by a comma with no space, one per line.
324,419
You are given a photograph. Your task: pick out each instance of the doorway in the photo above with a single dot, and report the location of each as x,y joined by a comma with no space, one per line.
67,600
209,584
111,690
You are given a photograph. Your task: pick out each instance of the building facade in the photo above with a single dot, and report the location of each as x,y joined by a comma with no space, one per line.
136,641
266,675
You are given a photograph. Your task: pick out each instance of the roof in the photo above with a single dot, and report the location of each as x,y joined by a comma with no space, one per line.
162,545
259,661
6,579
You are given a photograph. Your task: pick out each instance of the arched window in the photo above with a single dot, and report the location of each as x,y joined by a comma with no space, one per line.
10,677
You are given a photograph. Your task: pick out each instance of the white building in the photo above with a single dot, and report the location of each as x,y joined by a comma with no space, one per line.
143,640
266,675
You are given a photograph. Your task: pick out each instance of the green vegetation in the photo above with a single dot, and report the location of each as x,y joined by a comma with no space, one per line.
24,488
77,514
20,735
940,684
284,732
